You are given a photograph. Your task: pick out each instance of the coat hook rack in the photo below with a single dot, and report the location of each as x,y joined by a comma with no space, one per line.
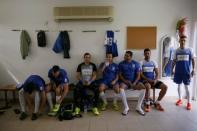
86,31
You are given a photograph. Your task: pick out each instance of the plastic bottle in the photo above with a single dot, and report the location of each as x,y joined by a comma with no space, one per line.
85,109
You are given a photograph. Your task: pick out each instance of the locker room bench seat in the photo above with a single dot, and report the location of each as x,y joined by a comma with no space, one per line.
6,89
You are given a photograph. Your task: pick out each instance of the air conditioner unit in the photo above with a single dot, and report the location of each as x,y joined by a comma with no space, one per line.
84,13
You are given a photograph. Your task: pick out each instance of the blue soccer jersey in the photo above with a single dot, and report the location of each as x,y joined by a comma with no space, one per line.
62,78
183,59
129,70
36,80
111,43
110,72
148,68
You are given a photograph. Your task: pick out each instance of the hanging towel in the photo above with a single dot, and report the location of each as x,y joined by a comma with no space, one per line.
24,43
111,43
62,43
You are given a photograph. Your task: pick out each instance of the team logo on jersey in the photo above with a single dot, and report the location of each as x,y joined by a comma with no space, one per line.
113,68
183,57
86,71
148,69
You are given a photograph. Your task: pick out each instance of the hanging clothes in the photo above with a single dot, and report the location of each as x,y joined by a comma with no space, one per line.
111,43
62,43
24,43
41,38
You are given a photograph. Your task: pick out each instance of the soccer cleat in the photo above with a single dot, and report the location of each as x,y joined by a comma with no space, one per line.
147,108
189,106
52,113
56,108
34,117
179,102
115,106
159,107
104,106
95,111
23,116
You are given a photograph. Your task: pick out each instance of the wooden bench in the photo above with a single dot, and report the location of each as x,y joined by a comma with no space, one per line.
6,89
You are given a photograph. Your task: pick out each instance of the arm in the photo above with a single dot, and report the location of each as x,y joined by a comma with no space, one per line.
115,80
173,64
79,72
122,78
66,88
102,67
78,76
137,78
193,67
93,76
138,72
156,73
145,78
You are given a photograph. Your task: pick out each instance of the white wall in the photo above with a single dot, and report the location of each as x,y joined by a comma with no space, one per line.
194,42
194,9
38,14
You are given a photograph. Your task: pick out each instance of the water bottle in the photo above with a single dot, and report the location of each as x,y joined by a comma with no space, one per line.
85,109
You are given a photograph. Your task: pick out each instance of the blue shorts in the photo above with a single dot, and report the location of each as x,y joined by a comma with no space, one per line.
32,88
126,85
107,83
182,78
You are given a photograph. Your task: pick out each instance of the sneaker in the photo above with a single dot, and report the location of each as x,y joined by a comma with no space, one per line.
77,111
125,112
95,111
52,113
56,108
179,102
103,107
189,106
115,106
23,116
147,108
34,116
159,107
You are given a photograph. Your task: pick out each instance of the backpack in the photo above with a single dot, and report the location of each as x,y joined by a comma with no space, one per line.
66,112
41,39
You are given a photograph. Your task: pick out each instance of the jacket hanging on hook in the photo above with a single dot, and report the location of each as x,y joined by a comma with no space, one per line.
24,44
62,43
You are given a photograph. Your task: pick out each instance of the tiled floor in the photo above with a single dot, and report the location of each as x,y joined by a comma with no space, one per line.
173,119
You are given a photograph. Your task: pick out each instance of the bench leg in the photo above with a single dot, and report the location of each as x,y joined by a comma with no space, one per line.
6,102
153,94
14,96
